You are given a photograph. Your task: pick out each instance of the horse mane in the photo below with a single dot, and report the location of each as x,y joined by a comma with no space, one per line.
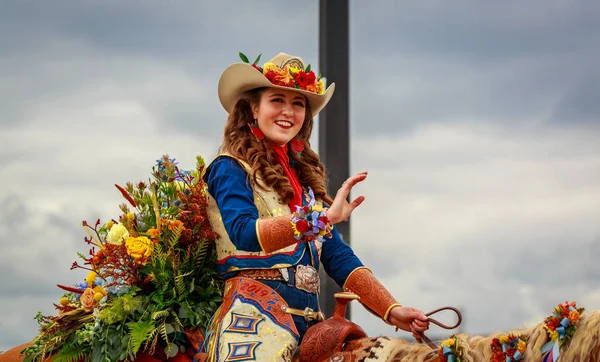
583,347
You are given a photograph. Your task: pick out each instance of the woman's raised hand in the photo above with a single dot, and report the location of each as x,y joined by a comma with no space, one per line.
340,209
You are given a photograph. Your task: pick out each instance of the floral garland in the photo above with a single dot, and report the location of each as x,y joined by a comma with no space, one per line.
304,79
310,222
450,351
561,327
509,347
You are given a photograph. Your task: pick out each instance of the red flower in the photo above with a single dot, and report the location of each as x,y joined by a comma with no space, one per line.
126,195
303,79
302,226
270,76
324,219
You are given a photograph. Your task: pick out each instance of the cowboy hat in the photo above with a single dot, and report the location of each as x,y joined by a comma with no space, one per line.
283,71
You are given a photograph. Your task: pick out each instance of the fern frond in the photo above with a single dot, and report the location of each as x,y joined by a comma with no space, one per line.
200,254
139,333
175,235
160,314
70,353
163,331
180,283
176,317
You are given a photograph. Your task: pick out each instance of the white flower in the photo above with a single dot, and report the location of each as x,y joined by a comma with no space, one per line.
117,234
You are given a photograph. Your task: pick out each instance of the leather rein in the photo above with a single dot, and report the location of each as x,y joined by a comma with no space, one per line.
422,338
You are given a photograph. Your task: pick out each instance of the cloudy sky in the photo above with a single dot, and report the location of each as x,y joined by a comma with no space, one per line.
479,125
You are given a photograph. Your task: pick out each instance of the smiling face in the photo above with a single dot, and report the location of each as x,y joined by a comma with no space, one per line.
280,114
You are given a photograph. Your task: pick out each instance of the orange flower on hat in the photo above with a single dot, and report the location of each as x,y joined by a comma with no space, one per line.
283,77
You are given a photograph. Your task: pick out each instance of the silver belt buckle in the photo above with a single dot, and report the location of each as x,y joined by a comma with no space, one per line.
285,274
307,279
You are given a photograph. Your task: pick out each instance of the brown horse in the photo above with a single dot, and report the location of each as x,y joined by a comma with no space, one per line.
352,345
584,346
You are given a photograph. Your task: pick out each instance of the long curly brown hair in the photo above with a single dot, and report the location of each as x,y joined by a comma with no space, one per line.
239,142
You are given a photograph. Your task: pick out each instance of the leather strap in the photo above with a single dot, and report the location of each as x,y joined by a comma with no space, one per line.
308,314
421,337
261,274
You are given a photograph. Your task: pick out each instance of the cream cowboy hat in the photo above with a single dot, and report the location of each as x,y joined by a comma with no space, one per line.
283,71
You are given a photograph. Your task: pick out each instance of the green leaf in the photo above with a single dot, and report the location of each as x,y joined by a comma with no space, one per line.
171,350
257,59
307,68
244,58
183,312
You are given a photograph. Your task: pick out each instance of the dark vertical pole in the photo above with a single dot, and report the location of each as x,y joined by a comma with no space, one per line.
334,119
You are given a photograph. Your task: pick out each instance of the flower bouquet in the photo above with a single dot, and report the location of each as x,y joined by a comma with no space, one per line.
151,285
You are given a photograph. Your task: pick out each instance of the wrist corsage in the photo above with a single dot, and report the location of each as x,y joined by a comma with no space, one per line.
310,221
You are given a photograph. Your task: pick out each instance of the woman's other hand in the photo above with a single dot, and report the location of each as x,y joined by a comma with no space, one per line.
340,209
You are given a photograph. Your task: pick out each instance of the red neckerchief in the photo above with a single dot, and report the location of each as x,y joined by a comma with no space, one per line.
281,153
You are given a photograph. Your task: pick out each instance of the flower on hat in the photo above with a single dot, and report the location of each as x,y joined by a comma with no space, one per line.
289,76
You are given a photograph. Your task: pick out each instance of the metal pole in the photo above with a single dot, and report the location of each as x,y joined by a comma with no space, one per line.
334,145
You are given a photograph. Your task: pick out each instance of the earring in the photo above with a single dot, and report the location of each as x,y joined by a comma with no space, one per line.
297,145
256,131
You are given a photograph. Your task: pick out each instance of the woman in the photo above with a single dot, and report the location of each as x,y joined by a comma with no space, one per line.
268,201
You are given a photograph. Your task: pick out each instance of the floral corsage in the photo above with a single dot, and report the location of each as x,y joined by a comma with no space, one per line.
450,351
509,347
310,221
561,327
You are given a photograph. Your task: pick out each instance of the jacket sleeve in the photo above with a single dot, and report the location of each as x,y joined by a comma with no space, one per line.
343,266
229,185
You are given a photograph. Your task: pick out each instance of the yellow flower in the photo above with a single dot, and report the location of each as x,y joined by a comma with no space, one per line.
99,289
116,234
294,70
130,216
139,248
522,346
554,336
110,224
268,66
98,296
64,301
448,343
91,277
320,86
504,339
